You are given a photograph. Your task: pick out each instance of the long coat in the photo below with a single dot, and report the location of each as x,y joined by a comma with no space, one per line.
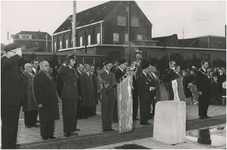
119,74
81,88
95,82
45,93
70,78
29,103
11,81
90,90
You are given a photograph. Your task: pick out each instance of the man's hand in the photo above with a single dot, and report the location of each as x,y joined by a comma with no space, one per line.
18,52
152,88
200,93
40,105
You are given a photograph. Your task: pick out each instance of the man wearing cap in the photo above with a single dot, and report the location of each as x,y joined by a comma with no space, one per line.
146,94
118,74
12,91
107,80
70,95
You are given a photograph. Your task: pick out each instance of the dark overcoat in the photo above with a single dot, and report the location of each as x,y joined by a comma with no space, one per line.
81,88
29,103
70,78
45,93
11,81
90,90
119,74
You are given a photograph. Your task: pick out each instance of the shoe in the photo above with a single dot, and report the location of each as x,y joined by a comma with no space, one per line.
95,114
17,146
135,119
111,129
73,133
28,126
85,117
145,123
35,125
104,130
201,117
45,138
115,121
67,134
52,137
207,116
77,129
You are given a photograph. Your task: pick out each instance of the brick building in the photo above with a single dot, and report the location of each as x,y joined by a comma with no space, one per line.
33,41
104,24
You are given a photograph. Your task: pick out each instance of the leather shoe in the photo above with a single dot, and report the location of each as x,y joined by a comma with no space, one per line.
201,117
77,129
45,138
52,137
35,125
73,133
28,126
67,134
17,146
134,119
207,117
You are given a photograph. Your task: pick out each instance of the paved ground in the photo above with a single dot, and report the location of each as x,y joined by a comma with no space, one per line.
92,126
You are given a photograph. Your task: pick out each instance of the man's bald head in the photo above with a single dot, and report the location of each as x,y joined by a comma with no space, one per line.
44,66
28,67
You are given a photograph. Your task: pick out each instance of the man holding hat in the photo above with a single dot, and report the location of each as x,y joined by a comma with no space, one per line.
11,99
70,95
146,93
107,80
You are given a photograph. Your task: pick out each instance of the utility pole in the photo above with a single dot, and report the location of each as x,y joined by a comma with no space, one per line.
74,24
129,31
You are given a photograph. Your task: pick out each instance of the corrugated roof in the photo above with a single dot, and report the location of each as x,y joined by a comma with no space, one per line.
163,38
192,42
35,34
89,16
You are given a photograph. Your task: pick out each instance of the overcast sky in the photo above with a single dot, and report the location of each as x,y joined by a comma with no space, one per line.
195,18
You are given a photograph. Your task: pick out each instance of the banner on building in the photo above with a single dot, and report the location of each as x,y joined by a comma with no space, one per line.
124,102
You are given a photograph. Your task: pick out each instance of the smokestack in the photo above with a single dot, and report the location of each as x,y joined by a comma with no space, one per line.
74,24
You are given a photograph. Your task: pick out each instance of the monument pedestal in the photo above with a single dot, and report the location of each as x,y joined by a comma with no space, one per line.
170,122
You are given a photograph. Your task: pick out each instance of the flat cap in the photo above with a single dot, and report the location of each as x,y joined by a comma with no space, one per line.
107,61
10,47
138,51
70,56
122,61
145,65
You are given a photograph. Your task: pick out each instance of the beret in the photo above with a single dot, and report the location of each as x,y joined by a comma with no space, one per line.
122,61
138,51
107,61
70,56
10,47
145,66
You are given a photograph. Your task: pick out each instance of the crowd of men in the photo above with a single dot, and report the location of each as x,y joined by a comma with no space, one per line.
80,86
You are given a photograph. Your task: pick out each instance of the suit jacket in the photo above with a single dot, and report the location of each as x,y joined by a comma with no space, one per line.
203,82
107,81
70,78
29,103
11,81
95,82
89,89
81,88
145,82
221,79
157,88
45,93
119,74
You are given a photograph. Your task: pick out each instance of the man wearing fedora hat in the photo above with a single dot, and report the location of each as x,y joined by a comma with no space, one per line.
11,99
107,80
146,93
70,95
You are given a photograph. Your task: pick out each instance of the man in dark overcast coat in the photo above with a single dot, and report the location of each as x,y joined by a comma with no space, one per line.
11,98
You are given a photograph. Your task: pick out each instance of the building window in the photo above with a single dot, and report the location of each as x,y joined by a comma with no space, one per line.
116,38
89,40
81,41
139,37
55,46
205,57
121,21
98,38
67,43
135,22
126,37
25,36
60,45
